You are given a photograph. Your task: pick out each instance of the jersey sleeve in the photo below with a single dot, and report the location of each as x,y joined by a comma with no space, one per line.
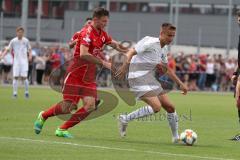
75,36
141,46
10,46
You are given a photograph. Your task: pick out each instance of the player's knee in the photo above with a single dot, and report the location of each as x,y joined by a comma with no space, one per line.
68,106
89,105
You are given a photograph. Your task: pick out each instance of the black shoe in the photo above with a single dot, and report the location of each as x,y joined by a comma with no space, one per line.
236,138
97,102
26,95
14,96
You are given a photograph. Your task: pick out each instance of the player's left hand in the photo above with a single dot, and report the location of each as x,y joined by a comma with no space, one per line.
184,89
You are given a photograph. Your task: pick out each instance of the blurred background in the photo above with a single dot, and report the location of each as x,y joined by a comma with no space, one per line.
204,53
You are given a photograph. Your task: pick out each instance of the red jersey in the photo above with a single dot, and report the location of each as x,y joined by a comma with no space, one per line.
75,36
94,40
57,60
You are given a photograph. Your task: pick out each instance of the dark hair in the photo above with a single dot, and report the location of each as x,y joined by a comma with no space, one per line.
88,19
100,12
168,26
19,28
238,13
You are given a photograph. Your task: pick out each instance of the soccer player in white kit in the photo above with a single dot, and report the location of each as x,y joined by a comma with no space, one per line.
21,49
142,62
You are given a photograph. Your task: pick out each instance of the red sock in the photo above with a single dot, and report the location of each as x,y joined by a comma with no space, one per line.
53,111
77,117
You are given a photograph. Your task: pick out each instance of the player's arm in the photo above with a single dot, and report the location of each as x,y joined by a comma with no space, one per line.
236,73
30,54
71,44
73,40
174,77
119,47
29,49
84,54
5,51
121,72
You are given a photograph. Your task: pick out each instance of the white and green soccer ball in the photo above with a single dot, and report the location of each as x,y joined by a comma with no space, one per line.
188,137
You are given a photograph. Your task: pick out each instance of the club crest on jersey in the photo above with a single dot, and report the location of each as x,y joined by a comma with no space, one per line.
163,57
103,39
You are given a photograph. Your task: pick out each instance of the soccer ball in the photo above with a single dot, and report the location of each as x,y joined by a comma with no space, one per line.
189,137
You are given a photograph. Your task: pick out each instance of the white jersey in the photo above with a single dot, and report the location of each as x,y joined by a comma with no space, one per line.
20,50
149,55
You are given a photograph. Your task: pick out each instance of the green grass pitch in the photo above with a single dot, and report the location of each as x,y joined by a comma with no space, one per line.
212,116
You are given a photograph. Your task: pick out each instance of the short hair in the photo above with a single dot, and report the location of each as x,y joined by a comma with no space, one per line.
20,28
100,12
238,13
88,19
168,26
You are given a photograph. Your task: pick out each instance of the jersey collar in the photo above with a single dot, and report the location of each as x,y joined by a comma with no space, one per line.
95,30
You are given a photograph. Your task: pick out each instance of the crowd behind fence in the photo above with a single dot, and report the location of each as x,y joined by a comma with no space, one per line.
198,71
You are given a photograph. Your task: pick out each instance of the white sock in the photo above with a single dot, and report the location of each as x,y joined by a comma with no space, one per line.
173,123
139,113
15,86
26,83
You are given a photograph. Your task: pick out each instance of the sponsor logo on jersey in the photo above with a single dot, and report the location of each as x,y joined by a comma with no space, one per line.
87,39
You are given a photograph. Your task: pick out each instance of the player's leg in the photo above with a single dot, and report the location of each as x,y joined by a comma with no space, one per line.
171,116
77,117
16,75
153,106
26,85
24,75
64,107
15,86
237,97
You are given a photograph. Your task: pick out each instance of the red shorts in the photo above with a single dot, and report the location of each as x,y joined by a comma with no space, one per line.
75,88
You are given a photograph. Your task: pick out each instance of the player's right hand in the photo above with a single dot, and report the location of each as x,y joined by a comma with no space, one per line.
234,79
184,89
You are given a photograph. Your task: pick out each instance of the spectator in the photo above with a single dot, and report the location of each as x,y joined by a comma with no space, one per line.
210,73
40,68
202,72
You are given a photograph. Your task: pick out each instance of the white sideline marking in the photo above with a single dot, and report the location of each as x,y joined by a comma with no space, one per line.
113,148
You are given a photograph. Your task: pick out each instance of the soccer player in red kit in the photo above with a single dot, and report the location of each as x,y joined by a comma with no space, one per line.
80,80
74,41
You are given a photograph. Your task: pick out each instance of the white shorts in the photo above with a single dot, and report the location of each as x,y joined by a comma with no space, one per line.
145,85
20,70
